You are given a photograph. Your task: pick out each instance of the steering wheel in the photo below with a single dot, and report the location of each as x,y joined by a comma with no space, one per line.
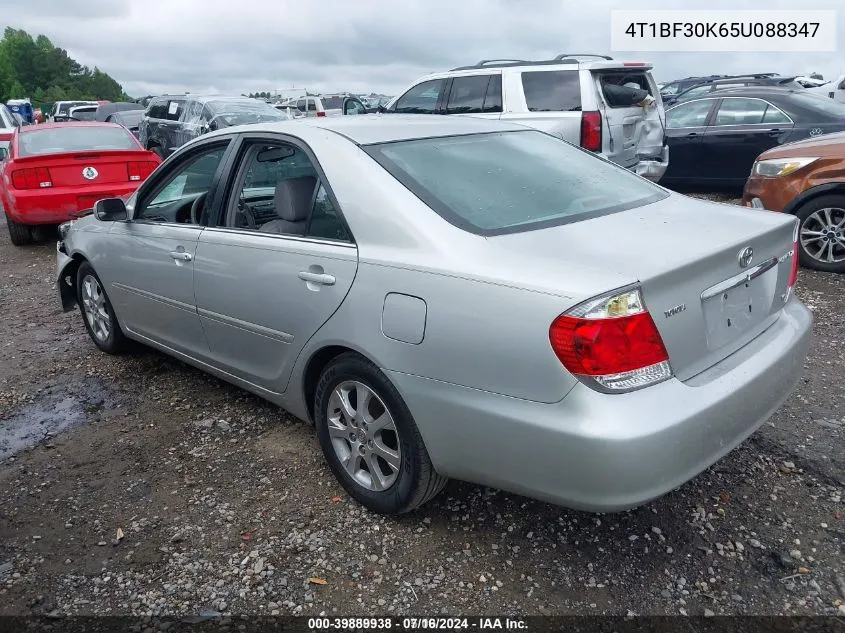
245,211
197,207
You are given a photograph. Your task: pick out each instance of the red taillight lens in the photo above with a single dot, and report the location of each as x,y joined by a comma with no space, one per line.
613,342
140,170
321,113
34,178
793,272
591,131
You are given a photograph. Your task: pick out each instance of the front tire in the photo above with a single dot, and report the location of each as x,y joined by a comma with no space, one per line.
20,234
821,236
97,312
370,440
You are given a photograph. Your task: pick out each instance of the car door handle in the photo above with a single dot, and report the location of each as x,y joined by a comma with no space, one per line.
317,278
774,132
181,256
693,134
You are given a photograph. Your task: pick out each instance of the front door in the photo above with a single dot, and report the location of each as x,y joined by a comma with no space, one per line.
742,129
155,251
685,126
278,266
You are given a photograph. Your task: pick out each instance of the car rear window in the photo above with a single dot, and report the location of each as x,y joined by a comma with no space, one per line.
820,104
65,107
332,103
552,90
57,140
508,182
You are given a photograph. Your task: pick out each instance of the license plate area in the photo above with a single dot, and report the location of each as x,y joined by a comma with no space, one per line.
738,305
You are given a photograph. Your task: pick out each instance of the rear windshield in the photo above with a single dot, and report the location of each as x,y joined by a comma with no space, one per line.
64,108
129,118
552,90
245,111
508,182
57,140
84,115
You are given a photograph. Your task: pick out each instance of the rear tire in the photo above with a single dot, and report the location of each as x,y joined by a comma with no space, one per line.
20,234
380,436
97,312
820,218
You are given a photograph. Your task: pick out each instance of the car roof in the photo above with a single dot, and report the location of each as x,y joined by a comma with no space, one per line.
382,128
752,91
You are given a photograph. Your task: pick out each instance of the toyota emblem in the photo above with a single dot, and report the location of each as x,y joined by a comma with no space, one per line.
89,173
745,256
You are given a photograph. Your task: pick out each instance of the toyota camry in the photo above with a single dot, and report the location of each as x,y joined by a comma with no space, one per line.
454,298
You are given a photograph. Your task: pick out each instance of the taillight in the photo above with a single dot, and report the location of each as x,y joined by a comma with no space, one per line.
33,178
795,264
611,343
591,131
321,113
140,170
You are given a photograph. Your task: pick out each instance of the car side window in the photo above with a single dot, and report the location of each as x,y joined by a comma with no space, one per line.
552,90
421,99
467,94
181,197
280,192
740,111
691,114
774,115
174,109
493,98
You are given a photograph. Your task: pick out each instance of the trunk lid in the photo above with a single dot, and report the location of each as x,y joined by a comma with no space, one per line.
90,168
685,254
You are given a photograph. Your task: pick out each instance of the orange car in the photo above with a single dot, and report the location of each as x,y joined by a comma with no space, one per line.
806,179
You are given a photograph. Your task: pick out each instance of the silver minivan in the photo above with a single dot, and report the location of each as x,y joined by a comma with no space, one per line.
606,106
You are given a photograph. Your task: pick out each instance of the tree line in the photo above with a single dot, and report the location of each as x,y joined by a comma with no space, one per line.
36,69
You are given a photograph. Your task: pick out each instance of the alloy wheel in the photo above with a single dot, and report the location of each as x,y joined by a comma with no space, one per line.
94,305
364,436
822,235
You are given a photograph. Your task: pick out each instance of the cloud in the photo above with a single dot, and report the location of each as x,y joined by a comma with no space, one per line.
154,46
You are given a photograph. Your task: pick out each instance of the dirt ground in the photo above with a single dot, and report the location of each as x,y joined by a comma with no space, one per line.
138,485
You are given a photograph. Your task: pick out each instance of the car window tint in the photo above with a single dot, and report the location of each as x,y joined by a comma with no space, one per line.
493,98
740,111
511,181
691,114
467,94
255,207
421,99
174,109
325,220
773,115
332,103
38,141
185,184
552,90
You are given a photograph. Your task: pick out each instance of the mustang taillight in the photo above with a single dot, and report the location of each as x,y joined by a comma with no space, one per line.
138,171
611,343
32,178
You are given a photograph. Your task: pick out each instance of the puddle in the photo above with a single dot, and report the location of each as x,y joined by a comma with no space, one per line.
56,408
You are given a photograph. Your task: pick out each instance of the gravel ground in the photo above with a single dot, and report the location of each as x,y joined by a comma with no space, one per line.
138,485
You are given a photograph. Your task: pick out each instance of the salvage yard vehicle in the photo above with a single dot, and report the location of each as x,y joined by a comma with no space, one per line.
715,140
54,171
60,111
171,121
454,297
806,179
573,96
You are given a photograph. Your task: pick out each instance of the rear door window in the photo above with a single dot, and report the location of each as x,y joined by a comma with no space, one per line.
740,111
421,99
467,94
493,99
552,90
174,109
622,90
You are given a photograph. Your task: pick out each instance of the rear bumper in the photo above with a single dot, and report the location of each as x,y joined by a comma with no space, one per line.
601,452
60,204
653,168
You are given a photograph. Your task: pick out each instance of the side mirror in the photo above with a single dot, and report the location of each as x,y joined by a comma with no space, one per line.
110,210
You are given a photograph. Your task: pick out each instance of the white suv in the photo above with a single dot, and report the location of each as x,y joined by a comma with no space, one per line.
610,107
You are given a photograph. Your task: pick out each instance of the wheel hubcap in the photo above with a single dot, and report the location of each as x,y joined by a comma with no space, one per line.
364,436
94,304
823,235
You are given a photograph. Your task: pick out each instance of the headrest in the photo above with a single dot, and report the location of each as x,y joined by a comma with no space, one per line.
294,198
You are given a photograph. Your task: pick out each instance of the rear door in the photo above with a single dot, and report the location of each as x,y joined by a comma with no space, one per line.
742,129
276,267
685,126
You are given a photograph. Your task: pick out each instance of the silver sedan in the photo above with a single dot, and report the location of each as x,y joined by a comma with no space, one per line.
454,297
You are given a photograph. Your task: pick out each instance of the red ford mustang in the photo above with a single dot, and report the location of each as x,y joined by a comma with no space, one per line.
54,171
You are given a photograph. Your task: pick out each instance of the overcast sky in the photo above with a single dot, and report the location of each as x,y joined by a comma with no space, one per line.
227,46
